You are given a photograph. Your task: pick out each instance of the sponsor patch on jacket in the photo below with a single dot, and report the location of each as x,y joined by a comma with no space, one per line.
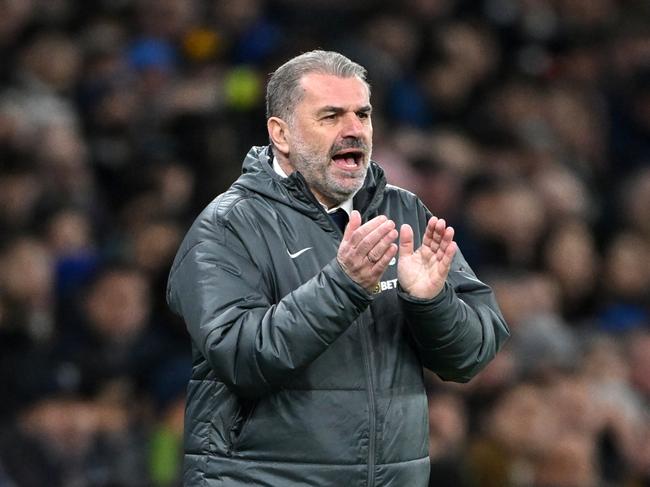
385,286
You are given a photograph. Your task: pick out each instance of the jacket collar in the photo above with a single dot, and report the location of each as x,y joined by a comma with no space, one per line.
259,176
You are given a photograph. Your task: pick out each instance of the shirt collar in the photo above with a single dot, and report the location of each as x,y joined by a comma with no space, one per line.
346,205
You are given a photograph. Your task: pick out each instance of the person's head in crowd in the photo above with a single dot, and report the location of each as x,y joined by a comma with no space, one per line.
626,268
571,461
545,347
448,425
69,426
117,304
617,381
522,422
21,190
441,187
395,36
572,117
26,284
565,195
443,160
54,60
570,398
69,231
582,59
103,39
27,272
455,151
522,220
69,440
70,235
429,11
62,148
234,17
138,210
500,375
511,216
626,284
516,106
605,359
470,48
154,245
570,255
397,166
463,55
165,19
15,16
62,156
629,48
175,183
516,303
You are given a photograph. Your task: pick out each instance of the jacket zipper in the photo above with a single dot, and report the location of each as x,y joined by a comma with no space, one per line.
372,400
242,416
368,362
367,356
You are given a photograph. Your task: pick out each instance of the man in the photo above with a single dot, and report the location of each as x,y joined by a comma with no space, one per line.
309,341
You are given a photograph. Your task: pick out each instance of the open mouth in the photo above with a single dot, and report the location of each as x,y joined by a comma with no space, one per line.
348,158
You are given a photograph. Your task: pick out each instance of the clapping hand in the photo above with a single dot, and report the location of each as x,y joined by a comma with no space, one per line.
366,250
422,272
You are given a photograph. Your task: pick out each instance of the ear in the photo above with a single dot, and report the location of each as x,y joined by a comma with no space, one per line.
278,132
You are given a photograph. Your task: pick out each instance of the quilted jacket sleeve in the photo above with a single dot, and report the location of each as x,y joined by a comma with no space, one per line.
253,345
461,329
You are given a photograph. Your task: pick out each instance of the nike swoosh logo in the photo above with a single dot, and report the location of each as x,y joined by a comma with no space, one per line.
300,252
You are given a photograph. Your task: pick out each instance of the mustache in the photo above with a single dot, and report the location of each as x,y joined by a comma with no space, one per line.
350,143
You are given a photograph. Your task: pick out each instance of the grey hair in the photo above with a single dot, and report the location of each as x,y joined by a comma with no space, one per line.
283,89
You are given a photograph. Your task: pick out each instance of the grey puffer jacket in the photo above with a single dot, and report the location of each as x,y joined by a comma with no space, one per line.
301,377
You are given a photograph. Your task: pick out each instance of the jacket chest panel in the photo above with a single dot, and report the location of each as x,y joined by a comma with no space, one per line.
297,253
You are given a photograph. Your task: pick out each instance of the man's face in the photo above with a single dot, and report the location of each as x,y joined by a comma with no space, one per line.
330,136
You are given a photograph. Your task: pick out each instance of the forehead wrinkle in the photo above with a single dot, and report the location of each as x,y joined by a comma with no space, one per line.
326,89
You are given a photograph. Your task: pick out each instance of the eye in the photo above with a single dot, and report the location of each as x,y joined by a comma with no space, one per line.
363,115
331,116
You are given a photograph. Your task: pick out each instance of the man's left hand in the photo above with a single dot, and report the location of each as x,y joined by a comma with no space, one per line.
422,273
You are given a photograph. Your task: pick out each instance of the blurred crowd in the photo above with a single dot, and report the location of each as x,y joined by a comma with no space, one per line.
524,123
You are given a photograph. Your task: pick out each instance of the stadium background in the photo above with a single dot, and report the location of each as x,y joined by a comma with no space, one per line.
525,123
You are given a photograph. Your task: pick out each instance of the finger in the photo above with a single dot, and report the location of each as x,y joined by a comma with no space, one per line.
362,231
448,256
353,224
380,266
447,238
375,253
374,237
405,241
438,231
428,233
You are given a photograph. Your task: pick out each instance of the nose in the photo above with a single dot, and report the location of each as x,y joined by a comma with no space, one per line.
352,126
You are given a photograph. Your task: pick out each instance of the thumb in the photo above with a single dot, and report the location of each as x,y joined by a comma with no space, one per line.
353,224
405,241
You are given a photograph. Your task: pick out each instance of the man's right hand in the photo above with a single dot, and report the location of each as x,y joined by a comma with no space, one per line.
366,250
